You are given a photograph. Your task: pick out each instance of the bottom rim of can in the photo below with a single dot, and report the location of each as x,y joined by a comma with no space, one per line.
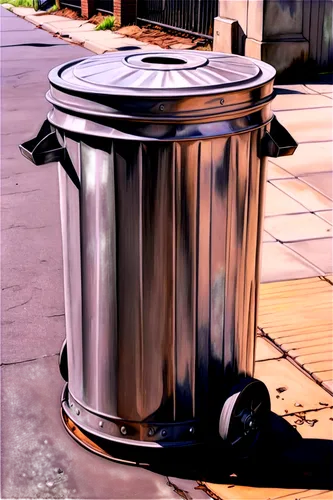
153,435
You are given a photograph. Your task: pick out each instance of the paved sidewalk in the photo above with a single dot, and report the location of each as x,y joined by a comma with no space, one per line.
38,458
298,222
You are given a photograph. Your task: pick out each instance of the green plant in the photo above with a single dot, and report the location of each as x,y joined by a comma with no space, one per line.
18,3
54,8
107,24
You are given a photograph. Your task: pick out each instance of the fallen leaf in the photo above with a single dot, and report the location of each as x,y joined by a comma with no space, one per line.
281,389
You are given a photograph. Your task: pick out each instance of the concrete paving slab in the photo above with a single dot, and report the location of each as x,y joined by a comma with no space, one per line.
317,252
57,27
293,89
312,349
111,45
328,385
315,357
304,194
302,342
308,159
275,172
297,227
265,350
305,332
278,202
297,123
326,215
23,11
95,36
39,458
267,237
313,425
280,373
324,373
298,316
280,263
95,47
323,182
39,20
319,367
320,87
68,32
101,44
284,102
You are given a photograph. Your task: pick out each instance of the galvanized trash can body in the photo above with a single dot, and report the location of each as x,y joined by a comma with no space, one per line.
161,194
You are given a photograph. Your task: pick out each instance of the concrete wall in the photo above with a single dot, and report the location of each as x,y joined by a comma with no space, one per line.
284,33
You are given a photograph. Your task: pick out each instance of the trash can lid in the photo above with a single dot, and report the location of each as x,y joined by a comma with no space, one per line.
134,84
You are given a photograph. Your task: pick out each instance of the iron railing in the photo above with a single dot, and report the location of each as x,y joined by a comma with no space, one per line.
104,6
190,16
71,4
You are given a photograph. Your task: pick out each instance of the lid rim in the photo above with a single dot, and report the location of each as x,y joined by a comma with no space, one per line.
83,76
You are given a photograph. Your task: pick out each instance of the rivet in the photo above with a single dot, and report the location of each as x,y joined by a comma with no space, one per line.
77,411
100,423
123,430
191,430
163,433
71,405
151,431
162,107
221,102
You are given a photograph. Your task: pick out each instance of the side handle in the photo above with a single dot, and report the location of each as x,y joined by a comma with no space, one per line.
45,148
277,142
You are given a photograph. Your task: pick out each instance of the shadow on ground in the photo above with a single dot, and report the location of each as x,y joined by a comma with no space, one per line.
281,458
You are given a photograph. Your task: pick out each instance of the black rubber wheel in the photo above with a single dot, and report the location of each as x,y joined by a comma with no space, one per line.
35,4
244,414
63,361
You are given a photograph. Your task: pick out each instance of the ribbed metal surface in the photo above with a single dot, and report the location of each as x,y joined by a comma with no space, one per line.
186,72
156,72
168,277
196,16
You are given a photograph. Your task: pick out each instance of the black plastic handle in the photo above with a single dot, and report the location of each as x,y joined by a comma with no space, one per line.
277,142
45,148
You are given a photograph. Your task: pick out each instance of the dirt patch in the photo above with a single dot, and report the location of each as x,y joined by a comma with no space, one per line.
69,13
166,40
97,18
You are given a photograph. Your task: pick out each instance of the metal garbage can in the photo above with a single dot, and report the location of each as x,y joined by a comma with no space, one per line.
162,173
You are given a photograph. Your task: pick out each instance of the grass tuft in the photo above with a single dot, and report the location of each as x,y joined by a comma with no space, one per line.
107,24
18,3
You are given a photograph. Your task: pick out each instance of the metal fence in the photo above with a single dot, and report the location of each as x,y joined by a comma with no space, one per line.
104,6
71,4
190,16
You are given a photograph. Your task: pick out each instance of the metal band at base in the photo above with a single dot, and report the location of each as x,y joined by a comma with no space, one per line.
149,435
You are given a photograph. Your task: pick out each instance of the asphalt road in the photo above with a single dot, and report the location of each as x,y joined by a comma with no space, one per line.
38,458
